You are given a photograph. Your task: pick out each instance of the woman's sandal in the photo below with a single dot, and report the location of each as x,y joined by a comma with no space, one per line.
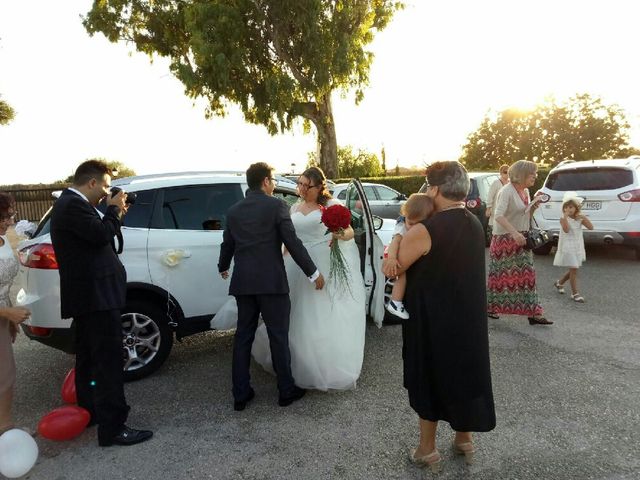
539,321
577,298
465,449
559,287
432,460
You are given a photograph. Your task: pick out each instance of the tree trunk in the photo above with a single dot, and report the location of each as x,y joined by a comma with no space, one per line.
327,143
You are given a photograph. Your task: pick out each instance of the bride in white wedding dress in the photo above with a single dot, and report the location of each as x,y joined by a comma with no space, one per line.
327,327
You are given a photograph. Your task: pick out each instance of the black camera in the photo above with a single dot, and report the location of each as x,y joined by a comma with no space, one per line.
131,196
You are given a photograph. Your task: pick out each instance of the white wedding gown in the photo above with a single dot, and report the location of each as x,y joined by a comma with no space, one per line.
327,327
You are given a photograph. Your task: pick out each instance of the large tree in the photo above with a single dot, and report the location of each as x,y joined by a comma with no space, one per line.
6,113
352,164
580,128
277,59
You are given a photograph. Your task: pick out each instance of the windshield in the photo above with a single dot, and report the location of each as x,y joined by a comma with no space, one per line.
590,179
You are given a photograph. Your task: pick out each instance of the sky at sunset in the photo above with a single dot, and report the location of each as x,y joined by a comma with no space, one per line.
439,67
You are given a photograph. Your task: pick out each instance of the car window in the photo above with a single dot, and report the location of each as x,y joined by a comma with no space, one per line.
139,212
44,226
370,193
485,185
289,197
385,193
201,207
473,188
342,195
590,179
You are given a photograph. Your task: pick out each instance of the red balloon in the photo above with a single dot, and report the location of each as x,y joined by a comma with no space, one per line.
64,423
69,387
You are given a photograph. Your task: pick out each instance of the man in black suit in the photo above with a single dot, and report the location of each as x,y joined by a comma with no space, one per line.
93,285
256,229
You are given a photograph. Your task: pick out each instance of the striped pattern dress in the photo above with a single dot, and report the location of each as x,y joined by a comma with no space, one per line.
512,279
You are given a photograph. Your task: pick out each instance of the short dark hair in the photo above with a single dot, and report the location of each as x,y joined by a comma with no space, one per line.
450,177
7,202
90,169
256,173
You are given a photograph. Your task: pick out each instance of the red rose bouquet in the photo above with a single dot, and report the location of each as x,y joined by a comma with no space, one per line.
337,218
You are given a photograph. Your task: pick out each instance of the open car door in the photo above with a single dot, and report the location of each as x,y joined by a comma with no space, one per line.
371,250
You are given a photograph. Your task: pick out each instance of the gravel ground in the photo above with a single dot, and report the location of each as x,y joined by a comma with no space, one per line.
567,400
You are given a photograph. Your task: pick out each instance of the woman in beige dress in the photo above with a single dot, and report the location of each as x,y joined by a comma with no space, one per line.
10,316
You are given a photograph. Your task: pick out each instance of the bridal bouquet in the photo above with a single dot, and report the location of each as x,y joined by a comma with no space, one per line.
337,218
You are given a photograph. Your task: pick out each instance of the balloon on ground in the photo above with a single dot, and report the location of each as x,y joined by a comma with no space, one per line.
18,453
69,387
64,423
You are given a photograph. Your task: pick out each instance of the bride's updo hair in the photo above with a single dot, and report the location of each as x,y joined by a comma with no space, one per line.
316,177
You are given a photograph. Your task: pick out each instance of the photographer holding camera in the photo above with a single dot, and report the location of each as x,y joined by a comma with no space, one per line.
93,285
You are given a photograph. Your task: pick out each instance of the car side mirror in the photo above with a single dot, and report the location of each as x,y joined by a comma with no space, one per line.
402,196
377,222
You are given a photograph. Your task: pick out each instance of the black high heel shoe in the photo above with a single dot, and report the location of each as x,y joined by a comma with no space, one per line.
539,321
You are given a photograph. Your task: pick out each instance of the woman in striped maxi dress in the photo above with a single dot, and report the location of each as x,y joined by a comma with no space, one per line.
512,276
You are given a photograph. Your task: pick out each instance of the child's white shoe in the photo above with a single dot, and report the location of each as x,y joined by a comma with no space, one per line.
397,309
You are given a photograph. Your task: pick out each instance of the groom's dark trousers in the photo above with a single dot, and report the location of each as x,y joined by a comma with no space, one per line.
275,314
93,285
256,229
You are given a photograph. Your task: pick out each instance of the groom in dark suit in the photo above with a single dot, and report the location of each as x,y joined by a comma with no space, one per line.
93,286
256,229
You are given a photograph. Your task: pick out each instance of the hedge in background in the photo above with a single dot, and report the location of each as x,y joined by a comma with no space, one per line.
411,184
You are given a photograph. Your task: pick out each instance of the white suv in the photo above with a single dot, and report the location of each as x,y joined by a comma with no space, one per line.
611,192
172,236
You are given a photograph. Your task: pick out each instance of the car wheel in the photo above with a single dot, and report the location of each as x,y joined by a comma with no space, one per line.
543,250
147,339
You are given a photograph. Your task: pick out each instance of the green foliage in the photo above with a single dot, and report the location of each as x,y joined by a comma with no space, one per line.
406,185
276,59
7,113
116,166
353,164
542,176
581,128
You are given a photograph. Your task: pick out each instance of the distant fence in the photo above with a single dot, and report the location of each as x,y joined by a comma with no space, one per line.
33,203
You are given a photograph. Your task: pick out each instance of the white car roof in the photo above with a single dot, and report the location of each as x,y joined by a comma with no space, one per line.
364,184
631,162
160,180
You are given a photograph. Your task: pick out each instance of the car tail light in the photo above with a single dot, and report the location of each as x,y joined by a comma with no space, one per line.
39,331
472,203
544,198
40,256
630,196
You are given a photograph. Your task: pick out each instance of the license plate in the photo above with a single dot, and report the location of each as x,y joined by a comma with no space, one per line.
591,205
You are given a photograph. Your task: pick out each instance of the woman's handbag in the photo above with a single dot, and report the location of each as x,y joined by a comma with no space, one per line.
536,237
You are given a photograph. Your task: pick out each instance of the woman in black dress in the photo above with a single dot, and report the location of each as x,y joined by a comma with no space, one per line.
445,341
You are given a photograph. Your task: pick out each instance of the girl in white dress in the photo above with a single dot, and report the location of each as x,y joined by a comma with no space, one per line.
570,252
327,327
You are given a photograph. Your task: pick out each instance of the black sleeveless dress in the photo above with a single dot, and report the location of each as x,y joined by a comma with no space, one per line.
445,342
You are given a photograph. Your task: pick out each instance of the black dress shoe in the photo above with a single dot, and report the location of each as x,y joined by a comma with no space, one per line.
240,405
297,394
127,436
539,321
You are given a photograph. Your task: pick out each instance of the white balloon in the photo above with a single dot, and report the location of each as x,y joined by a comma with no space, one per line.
18,453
